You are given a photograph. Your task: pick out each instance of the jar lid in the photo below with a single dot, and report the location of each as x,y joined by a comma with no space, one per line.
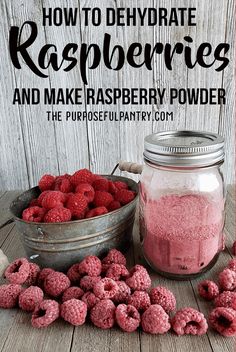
184,148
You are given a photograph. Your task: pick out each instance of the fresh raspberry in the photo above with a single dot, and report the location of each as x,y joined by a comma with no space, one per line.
140,300
127,317
73,273
120,185
164,297
225,299
34,203
87,282
9,295
81,176
114,256
43,274
155,320
74,311
33,274
30,298
41,197
72,292
227,280
102,198
232,265
102,314
90,299
56,283
63,185
18,271
105,288
77,204
46,182
90,265
208,290
117,272
123,293
96,212
124,196
114,205
86,190
139,279
234,248
112,188
57,215
189,321
223,320
53,199
45,313
33,214
101,184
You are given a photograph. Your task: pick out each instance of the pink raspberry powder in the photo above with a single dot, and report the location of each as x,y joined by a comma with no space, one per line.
127,317
103,314
155,320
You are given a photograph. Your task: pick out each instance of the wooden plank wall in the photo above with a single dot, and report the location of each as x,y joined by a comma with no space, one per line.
31,146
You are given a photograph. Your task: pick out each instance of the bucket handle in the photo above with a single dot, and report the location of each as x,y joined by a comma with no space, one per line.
9,221
127,166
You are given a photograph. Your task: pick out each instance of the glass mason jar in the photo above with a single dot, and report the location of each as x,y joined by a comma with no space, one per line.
182,199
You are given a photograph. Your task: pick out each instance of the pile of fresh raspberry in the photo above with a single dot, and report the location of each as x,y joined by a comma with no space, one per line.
82,195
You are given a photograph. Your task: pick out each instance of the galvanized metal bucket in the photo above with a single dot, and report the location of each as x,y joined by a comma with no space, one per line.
60,245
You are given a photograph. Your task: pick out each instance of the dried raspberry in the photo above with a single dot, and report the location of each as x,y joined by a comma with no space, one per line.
18,271
112,188
103,314
234,248
77,204
81,176
189,321
33,214
227,280
41,197
223,320
43,274
123,293
117,272
57,215
45,313
114,256
155,320
74,311
53,199
90,299
140,300
46,182
87,282
124,196
30,298
232,265
225,299
101,184
9,295
33,274
208,290
72,292
105,288
56,283
139,279
164,297
73,273
114,205
63,185
102,198
34,203
120,185
90,265
127,317
96,212
86,190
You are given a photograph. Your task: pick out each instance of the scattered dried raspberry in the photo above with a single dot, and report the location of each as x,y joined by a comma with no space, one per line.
56,283
101,184
127,317
87,282
123,293
73,273
46,182
77,204
45,313
57,215
41,197
103,314
34,203
189,321
139,279
33,274
9,295
90,299
234,248
102,198
140,300
164,297
72,292
223,320
33,214
43,274
63,185
112,188
232,265
105,288
227,280
124,196
117,272
90,265
96,212
155,320
30,298
120,185
86,190
18,271
114,205
74,311
81,176
225,299
53,199
114,256
208,290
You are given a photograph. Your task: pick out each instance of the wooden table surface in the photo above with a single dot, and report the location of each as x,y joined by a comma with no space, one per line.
16,333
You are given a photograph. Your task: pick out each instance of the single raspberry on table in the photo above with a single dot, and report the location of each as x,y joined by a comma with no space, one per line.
123,293
225,299
34,203
227,280
56,283
53,199
155,320
30,298
117,272
74,311
127,317
45,313
33,214
105,288
120,185
43,274
232,265
63,185
102,198
139,279
60,214
114,256
90,299
18,271
77,204
124,196
114,205
9,295
234,248
208,289
86,190
33,274
73,273
41,197
46,182
189,321
72,292
223,320
96,212
102,314
164,297
90,265
81,176
140,300
87,282
101,184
